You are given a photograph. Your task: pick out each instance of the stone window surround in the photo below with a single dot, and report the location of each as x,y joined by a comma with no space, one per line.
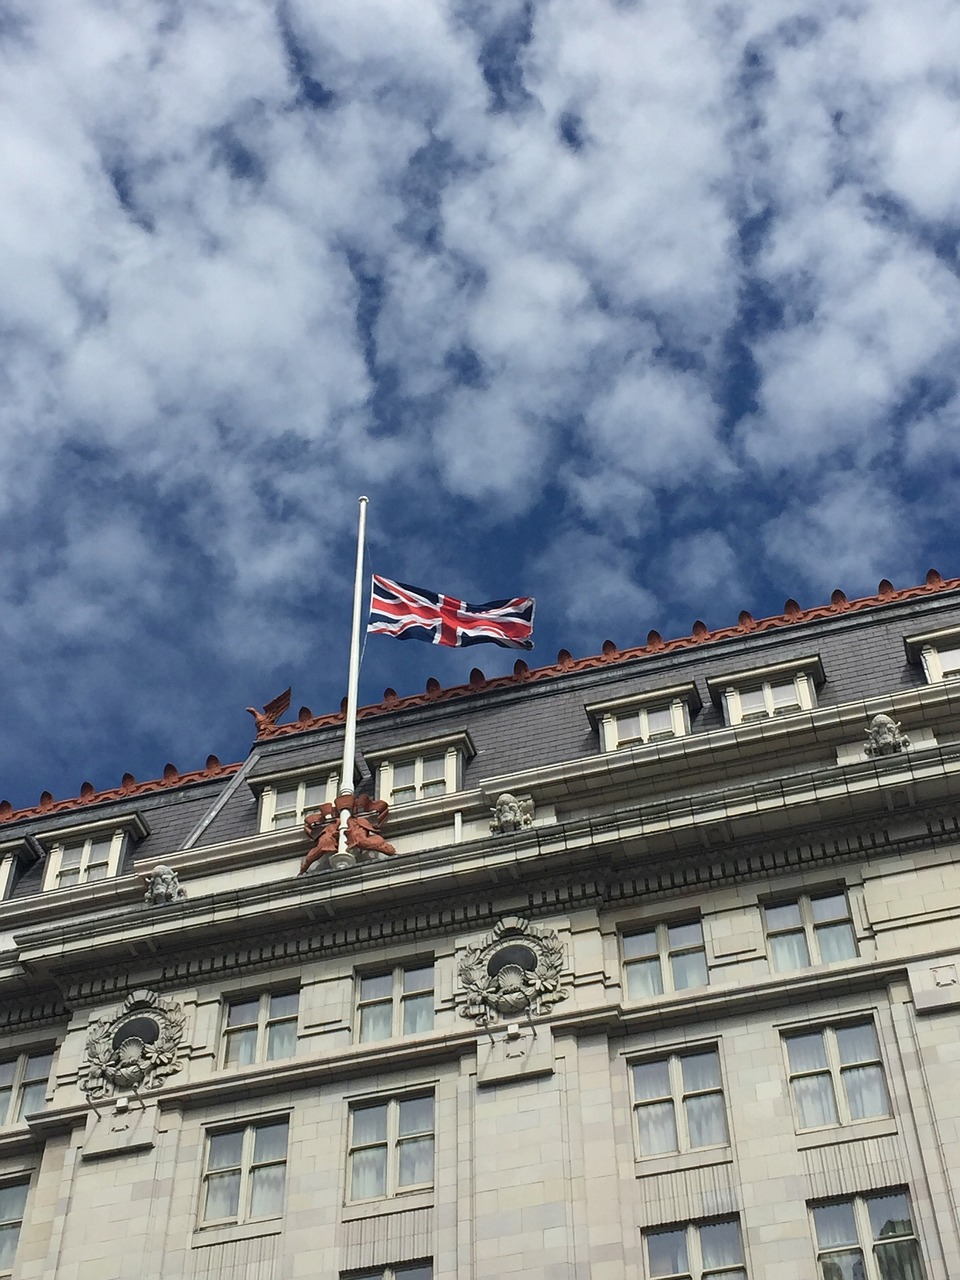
697,1264
707,1154
270,788
455,748
247,1129
121,831
866,1239
664,953
394,1192
21,1078
398,998
929,650
835,1069
21,1182
682,701
805,674
803,898
21,852
263,1021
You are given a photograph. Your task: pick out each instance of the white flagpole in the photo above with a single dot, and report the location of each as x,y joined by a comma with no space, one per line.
353,680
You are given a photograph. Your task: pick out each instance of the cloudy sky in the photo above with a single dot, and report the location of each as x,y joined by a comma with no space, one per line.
650,310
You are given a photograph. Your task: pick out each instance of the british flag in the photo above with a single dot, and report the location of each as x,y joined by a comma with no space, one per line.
410,613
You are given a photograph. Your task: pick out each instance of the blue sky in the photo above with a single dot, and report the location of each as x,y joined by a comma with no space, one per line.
648,310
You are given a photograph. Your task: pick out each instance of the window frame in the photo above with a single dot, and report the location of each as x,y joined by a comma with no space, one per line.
681,701
395,1271
456,750
392,1143
246,1169
864,1230
805,674
809,926
262,1024
835,1069
14,1113
397,999
678,1096
930,648
23,1183
120,832
664,954
269,788
696,1268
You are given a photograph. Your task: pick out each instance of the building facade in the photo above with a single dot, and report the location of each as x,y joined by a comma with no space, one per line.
654,973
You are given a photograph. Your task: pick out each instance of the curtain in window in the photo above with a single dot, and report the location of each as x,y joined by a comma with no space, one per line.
789,951
899,1260
815,1102
658,1129
866,1092
720,1244
667,1251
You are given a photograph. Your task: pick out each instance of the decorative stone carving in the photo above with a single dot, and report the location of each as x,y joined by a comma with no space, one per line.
511,814
163,886
136,1049
516,971
364,840
885,737
271,713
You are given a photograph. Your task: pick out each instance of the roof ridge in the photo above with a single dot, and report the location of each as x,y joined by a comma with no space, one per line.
610,655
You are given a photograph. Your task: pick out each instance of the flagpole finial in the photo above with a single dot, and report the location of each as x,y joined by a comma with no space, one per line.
363,498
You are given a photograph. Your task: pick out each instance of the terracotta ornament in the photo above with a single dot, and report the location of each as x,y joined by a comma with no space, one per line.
271,713
364,825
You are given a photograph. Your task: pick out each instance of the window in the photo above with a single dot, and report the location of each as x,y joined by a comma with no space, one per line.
400,1271
836,1076
391,1146
812,929
645,717
86,854
397,1002
868,1237
678,1103
422,771
13,1199
700,1251
244,1174
261,1028
664,957
939,654
286,800
23,1086
773,691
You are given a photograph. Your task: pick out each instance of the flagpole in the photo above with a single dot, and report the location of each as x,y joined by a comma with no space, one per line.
353,680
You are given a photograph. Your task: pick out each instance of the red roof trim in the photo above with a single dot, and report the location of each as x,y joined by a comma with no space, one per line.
792,616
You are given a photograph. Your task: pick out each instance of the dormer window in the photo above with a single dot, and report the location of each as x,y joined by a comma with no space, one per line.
767,692
640,718
938,653
83,855
286,798
422,770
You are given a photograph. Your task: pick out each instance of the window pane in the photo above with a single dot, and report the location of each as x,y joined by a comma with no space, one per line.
242,1013
659,723
32,1098
836,942
416,1162
5,1105
241,1048
700,1071
418,1271
685,935
866,1092
889,1216
266,1193
725,1274
285,1005
706,1122
434,788
68,878
433,768
752,703
786,916
71,855
38,1066
224,1150
644,979
858,1043
376,1022
689,970
8,1246
369,1173
900,1261
416,1116
628,728
806,1052
378,986
720,1244
846,1265
639,944
789,951
314,794
369,1125
13,1198
667,1251
417,1014
651,1080
403,775
815,1102
281,1040
784,695
949,661
7,1070
270,1142
97,871
835,1224
223,1196
831,906
418,979
657,1128
100,851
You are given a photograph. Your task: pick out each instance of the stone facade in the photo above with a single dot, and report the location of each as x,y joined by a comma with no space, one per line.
698,1013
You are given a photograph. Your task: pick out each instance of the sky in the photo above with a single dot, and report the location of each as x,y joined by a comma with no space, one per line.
648,310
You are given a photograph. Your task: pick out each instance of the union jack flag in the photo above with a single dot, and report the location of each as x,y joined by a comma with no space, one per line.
410,613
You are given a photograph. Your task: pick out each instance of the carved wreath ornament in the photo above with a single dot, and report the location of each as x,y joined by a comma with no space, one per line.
516,971
135,1049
